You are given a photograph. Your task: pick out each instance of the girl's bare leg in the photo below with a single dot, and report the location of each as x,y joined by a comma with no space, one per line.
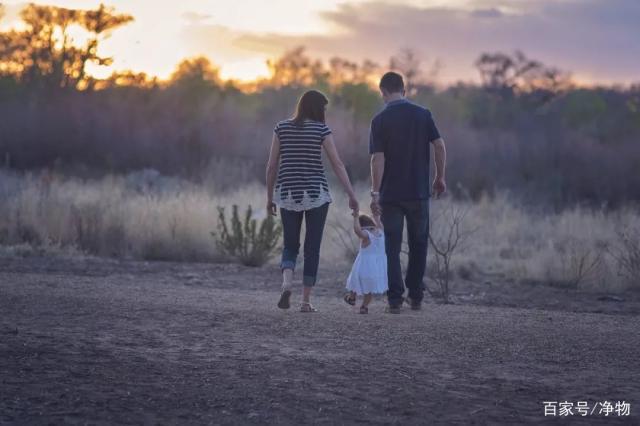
367,299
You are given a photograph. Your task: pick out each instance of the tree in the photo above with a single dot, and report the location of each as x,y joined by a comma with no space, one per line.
128,79
508,74
407,63
368,70
196,69
45,55
296,69
448,237
196,76
343,71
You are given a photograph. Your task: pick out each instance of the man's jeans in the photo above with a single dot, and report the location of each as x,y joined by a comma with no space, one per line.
417,216
314,221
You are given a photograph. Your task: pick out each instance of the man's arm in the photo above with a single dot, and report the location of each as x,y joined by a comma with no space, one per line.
440,160
377,170
376,149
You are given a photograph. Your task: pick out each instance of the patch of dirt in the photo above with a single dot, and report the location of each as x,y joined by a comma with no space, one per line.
99,341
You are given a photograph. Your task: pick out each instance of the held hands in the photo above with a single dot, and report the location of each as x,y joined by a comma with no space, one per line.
353,204
439,186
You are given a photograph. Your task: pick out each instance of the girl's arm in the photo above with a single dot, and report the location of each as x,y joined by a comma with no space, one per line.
340,171
358,230
272,170
376,219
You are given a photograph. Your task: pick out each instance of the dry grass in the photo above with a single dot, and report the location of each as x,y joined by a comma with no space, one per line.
146,216
565,249
130,217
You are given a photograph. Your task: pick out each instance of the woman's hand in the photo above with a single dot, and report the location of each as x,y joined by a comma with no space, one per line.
271,207
353,203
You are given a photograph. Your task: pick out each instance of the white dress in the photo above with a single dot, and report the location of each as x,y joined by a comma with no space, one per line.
369,271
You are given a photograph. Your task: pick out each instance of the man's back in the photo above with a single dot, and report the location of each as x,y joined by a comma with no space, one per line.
402,131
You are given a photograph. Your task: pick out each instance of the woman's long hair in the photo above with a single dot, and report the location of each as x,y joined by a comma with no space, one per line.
311,106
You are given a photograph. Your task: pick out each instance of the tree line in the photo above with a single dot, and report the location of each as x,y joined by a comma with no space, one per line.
526,128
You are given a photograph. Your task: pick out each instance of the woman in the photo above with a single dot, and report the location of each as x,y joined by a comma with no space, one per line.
301,189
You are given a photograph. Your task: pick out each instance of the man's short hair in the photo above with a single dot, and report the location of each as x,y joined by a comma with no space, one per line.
392,82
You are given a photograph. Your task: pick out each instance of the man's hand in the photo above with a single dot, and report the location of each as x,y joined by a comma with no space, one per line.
440,158
439,186
375,205
271,208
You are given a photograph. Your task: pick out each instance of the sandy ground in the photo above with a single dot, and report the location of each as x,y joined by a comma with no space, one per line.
104,342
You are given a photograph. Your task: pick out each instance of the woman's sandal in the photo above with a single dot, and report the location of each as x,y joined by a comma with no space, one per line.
283,303
350,299
364,310
307,307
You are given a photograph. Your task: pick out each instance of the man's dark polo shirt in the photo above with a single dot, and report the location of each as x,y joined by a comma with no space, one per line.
402,131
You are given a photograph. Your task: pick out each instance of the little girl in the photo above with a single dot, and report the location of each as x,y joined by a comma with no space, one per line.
369,272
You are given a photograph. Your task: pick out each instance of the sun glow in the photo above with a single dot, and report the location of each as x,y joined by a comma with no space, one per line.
246,70
239,36
164,33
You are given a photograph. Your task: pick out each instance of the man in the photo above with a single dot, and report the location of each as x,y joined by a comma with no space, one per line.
399,148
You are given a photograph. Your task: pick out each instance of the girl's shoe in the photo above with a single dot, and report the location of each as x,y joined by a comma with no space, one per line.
350,298
283,303
364,310
307,307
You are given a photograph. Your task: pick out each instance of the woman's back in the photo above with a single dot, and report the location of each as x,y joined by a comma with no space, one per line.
301,183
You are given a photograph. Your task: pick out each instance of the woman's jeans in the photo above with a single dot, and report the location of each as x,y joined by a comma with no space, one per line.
314,221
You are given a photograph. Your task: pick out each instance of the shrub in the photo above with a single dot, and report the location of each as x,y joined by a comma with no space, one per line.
579,261
243,241
626,252
448,236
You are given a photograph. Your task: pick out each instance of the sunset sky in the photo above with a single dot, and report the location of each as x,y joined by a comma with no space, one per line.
597,40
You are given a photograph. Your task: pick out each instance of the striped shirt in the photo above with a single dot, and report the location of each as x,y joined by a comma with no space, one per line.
301,183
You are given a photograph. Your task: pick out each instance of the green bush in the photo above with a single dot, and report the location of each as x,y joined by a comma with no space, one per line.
243,241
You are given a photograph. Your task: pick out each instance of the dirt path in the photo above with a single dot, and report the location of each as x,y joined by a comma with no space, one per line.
103,342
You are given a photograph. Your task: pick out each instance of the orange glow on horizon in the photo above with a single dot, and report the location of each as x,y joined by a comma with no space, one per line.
240,37
162,35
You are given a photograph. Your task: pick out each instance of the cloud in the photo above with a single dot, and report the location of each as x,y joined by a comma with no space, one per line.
487,13
594,39
195,17
218,42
